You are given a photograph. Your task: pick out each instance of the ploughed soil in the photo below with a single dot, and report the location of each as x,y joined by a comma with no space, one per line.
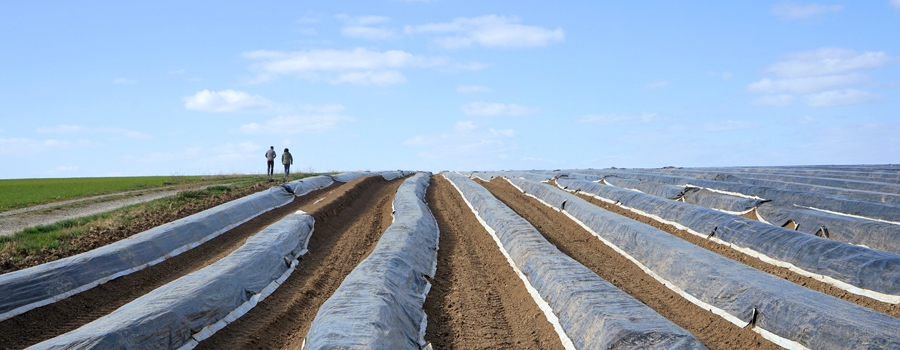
476,300
63,316
576,242
348,224
733,254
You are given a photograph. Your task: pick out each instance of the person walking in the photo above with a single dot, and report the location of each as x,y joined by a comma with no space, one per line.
287,160
270,160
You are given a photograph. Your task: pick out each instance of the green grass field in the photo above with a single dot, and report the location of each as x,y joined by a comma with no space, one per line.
27,192
52,236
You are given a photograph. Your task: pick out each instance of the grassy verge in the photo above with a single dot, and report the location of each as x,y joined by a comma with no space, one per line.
21,193
40,244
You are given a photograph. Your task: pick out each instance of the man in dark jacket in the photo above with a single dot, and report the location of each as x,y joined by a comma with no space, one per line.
270,160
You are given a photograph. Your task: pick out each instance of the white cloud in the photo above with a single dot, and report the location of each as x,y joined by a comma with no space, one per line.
124,81
841,97
659,84
895,3
489,31
720,75
78,129
380,78
806,84
619,118
292,125
308,63
469,89
495,109
229,101
794,11
775,100
361,27
824,76
337,60
828,61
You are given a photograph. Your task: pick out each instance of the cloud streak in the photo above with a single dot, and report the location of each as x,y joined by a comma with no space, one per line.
383,66
230,101
488,31
824,77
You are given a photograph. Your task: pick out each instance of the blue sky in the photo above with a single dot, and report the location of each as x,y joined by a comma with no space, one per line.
119,88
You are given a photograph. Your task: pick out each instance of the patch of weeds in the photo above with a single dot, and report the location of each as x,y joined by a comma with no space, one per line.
191,195
218,189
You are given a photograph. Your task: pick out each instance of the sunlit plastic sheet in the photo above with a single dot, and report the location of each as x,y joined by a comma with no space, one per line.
722,202
861,267
881,211
649,187
303,187
886,177
868,233
580,176
44,284
730,289
387,175
379,304
193,307
594,313
855,189
863,174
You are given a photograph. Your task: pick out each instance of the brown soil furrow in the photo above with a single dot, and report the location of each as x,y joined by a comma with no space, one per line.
712,330
731,253
348,225
477,301
63,316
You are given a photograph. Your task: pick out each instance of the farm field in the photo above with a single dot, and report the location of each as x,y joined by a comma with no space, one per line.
21,193
718,258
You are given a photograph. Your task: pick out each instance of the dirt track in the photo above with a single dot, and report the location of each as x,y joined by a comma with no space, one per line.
573,240
49,321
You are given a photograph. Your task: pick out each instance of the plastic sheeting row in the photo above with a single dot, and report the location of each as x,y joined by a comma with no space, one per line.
44,284
788,314
859,231
837,204
857,174
855,189
387,175
593,313
859,270
379,304
193,307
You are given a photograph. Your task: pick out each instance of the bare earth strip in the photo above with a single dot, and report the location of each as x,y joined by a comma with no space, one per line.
477,301
712,330
17,220
808,282
348,225
55,319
